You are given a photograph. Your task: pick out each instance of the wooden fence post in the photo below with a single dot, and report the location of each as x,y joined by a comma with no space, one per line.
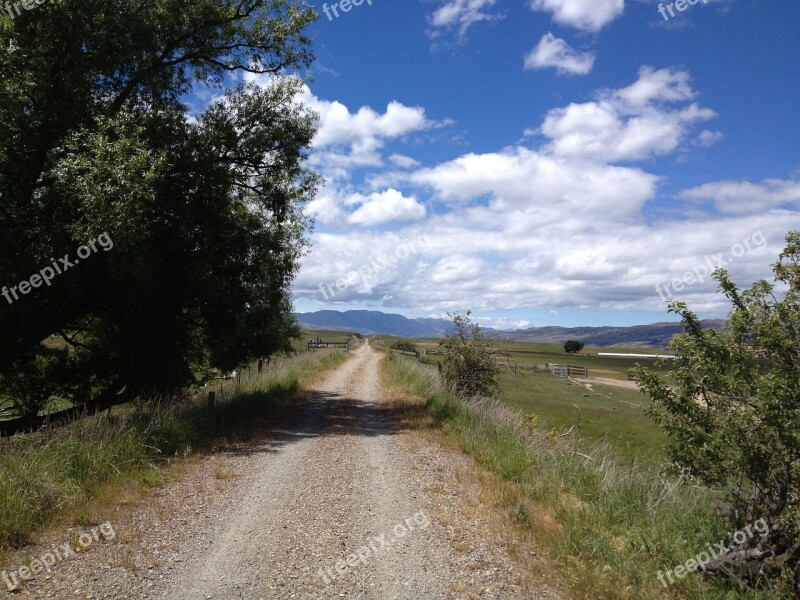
212,396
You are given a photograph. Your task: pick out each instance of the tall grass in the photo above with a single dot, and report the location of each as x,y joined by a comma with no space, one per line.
609,528
46,474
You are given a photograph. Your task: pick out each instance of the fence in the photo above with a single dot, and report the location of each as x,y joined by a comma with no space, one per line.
319,343
569,371
406,352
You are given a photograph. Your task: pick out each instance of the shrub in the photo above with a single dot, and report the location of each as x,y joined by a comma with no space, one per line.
468,367
732,412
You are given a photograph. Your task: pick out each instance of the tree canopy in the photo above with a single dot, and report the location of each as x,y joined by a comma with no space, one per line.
204,211
573,346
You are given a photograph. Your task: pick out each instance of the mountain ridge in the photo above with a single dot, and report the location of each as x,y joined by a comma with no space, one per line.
368,322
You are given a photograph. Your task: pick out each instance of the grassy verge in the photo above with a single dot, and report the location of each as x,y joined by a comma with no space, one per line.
609,527
47,476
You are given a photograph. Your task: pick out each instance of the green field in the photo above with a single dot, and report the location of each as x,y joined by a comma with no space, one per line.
604,413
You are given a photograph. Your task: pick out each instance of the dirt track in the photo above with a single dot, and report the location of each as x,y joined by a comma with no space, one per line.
338,505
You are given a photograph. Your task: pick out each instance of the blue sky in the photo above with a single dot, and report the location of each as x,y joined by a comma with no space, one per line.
550,162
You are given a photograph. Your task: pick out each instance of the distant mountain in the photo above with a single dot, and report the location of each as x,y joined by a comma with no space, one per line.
370,322
657,335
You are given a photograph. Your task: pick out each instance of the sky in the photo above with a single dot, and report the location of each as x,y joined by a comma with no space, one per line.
550,162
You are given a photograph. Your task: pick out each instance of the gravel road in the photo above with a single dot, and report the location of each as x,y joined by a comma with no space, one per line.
339,505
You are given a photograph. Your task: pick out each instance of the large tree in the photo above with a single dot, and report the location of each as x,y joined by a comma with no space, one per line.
204,211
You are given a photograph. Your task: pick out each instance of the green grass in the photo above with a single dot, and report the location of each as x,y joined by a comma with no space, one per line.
47,475
605,414
607,526
610,414
528,354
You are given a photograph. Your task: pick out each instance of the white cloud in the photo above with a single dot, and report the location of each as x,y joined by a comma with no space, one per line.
324,208
744,197
707,138
502,324
588,15
519,177
555,52
652,86
339,206
554,226
339,126
404,162
628,124
347,140
384,207
559,257
458,269
460,15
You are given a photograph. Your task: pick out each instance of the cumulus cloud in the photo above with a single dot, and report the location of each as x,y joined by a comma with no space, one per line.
347,140
326,207
587,15
558,225
744,197
404,162
520,177
384,207
654,86
340,206
632,123
460,15
555,52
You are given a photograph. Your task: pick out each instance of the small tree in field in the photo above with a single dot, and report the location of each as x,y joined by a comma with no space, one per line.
468,367
573,346
732,411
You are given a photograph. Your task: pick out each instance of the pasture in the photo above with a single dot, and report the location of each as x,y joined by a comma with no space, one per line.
605,407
